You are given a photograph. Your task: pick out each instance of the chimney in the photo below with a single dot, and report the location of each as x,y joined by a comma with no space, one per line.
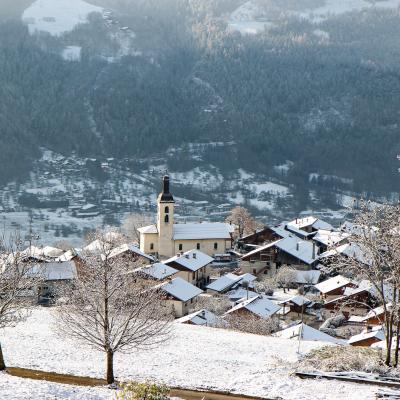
186,255
194,255
313,251
369,328
297,246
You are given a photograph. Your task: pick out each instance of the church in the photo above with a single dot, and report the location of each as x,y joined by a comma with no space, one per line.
167,238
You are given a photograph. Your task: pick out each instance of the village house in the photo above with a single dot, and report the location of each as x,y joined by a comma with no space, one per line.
354,302
167,238
179,295
289,251
367,338
296,306
376,316
306,227
156,272
192,266
201,318
229,282
334,287
259,306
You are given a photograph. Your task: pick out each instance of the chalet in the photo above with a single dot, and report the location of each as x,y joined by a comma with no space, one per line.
326,239
167,238
156,271
304,332
355,301
376,316
231,281
334,287
180,295
306,227
296,305
290,251
201,318
259,306
192,266
367,338
240,293
258,238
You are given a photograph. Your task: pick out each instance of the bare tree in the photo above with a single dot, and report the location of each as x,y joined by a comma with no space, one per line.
285,277
252,324
266,285
132,223
19,280
374,255
109,310
218,305
242,218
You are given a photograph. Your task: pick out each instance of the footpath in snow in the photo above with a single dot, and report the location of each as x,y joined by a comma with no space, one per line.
194,357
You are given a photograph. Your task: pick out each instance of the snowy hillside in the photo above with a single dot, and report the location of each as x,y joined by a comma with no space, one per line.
57,16
194,357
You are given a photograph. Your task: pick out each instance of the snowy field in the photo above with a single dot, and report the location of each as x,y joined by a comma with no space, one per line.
57,16
195,357
13,388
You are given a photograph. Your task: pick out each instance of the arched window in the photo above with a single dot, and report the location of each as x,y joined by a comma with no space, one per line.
151,246
166,219
180,246
166,210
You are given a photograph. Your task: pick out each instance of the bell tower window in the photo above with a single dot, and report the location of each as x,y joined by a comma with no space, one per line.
166,219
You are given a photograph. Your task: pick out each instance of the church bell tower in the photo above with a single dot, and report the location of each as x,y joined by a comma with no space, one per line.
165,220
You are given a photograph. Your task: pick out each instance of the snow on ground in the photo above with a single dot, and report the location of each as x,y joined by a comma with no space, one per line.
13,388
337,7
244,19
57,16
194,357
72,53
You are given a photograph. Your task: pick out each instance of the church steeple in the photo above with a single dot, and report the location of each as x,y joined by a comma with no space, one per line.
165,195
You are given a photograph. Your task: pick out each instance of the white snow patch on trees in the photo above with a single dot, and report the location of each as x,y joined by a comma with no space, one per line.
57,16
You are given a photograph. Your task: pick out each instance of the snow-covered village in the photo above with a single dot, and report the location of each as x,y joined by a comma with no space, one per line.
297,310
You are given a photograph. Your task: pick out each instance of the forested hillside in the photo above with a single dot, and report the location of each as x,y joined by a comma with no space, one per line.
328,102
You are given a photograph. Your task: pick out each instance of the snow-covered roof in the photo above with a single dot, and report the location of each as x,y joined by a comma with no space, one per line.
68,255
260,249
240,293
376,312
180,289
157,271
379,335
202,230
330,238
201,317
308,277
303,250
352,250
306,332
298,300
300,223
259,305
148,229
331,284
192,260
229,280
54,271
126,247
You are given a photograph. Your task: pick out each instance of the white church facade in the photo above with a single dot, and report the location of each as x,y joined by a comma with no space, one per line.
167,238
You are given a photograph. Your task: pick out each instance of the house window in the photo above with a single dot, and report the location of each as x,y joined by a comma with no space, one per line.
198,246
166,219
180,246
193,275
215,246
151,246
166,210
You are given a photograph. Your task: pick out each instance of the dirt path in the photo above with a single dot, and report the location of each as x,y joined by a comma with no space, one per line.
86,381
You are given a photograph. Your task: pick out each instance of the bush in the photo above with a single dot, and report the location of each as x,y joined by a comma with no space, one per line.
346,358
142,391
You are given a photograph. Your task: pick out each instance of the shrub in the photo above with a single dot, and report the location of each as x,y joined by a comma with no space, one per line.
142,391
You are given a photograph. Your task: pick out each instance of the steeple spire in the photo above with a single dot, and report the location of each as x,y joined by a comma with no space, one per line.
165,195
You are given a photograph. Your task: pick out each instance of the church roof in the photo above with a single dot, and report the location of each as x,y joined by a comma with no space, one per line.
148,229
203,230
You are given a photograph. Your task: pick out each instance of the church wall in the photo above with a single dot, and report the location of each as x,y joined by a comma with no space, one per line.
206,246
146,240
